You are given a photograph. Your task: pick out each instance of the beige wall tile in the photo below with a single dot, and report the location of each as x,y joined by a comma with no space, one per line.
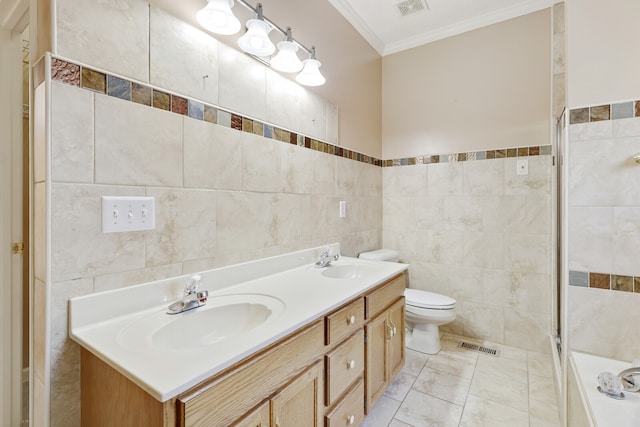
72,151
445,179
405,181
40,331
135,277
297,162
537,181
79,249
291,106
181,56
242,84
483,322
324,174
626,224
185,226
591,236
261,164
111,34
145,148
526,330
527,252
484,178
211,156
483,250
40,232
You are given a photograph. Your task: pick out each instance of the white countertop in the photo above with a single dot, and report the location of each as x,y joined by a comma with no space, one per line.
97,320
605,411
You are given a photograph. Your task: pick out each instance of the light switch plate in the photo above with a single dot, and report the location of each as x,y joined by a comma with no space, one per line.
127,214
342,209
522,167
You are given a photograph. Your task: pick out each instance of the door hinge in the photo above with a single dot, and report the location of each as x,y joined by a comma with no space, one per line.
17,248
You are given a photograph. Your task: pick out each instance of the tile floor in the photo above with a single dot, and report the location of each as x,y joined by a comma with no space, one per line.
462,388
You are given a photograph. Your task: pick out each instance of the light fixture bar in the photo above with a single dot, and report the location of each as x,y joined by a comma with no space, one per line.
275,26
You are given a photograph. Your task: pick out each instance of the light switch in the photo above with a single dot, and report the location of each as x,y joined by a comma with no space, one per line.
127,214
522,167
343,209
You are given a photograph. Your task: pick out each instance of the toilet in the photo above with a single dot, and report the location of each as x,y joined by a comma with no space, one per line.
424,311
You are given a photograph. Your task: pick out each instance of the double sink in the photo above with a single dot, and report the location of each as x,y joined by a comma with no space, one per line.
250,306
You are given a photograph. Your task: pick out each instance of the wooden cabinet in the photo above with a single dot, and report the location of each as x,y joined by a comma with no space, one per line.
299,404
384,346
317,376
259,417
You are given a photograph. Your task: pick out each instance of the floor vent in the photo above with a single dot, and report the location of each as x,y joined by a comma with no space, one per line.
481,349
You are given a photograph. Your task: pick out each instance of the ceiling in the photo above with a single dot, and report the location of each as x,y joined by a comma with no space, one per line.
13,14
383,25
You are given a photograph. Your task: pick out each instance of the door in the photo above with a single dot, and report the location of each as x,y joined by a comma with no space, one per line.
11,218
376,374
299,404
258,418
396,342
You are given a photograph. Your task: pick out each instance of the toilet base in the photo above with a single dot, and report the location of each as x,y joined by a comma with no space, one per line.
424,337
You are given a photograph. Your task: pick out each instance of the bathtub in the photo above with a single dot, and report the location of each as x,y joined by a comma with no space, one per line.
587,407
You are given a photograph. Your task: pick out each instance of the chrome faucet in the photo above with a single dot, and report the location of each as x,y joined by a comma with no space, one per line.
192,297
630,379
326,258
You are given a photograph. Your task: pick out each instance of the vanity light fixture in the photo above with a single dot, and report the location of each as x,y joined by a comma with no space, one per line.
256,40
287,59
310,74
217,17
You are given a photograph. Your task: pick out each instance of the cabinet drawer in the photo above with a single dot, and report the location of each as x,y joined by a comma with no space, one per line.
344,365
344,322
224,399
350,412
383,296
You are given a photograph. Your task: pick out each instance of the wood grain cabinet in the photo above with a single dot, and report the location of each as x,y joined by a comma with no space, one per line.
326,374
384,348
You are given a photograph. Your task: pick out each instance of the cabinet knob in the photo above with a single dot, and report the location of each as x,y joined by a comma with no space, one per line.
351,364
351,419
351,320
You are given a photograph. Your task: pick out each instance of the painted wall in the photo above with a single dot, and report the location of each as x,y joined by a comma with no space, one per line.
222,195
601,65
604,211
485,89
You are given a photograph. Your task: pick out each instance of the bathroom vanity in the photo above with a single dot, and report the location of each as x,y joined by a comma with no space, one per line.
325,355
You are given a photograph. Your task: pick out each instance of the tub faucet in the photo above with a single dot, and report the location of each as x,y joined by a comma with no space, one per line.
326,259
630,379
192,297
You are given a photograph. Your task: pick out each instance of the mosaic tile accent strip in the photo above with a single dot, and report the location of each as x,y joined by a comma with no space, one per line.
598,113
613,282
73,74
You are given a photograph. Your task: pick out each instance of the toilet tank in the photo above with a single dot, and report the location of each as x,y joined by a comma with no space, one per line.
380,255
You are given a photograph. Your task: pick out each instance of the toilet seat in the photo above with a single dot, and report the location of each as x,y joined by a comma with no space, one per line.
430,300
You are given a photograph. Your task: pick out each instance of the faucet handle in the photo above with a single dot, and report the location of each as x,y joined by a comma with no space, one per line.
193,282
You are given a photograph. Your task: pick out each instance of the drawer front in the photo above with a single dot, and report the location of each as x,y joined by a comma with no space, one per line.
344,365
350,412
384,295
344,322
227,398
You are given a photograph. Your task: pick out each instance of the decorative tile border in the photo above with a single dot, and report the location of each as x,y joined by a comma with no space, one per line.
598,113
97,81
475,155
613,282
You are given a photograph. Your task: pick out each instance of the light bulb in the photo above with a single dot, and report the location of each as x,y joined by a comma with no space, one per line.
287,60
256,40
310,74
218,18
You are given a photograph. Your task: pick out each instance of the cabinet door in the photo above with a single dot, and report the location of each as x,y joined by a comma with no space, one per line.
257,418
396,342
377,332
299,403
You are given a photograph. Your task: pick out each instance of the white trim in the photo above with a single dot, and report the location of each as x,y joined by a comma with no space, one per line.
490,18
359,24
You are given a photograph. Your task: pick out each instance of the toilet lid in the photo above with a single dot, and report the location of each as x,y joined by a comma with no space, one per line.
425,299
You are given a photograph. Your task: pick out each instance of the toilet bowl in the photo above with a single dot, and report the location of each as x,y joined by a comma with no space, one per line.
424,311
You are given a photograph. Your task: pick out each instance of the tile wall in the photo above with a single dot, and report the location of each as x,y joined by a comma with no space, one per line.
147,105
604,229
480,233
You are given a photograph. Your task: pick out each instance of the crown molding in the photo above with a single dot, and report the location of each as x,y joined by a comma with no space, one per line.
358,23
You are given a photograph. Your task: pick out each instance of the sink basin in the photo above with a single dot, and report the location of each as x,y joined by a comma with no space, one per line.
348,271
226,317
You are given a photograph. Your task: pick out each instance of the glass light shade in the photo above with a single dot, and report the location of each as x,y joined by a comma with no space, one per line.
310,74
256,40
218,18
287,59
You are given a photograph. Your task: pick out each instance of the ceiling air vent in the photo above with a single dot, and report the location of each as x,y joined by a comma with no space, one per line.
410,6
